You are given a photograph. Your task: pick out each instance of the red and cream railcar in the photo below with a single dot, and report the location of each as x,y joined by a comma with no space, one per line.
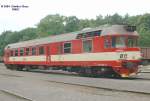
93,50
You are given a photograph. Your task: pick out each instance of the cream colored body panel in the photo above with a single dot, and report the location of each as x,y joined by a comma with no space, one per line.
28,58
105,56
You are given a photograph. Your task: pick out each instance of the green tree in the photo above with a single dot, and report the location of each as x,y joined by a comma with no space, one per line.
51,24
143,25
99,20
71,24
114,19
84,23
6,38
28,33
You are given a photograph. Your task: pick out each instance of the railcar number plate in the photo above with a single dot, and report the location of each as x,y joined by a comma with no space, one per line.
123,56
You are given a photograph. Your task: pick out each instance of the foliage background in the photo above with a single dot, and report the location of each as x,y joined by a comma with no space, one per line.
58,24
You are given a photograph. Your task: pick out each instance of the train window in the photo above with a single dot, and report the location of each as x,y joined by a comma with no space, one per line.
87,45
107,42
120,42
132,42
79,36
89,34
27,51
67,47
84,35
33,51
41,50
113,40
116,42
21,51
16,52
130,28
97,33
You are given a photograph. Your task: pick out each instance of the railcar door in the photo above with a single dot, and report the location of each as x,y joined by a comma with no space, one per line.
60,49
48,54
6,56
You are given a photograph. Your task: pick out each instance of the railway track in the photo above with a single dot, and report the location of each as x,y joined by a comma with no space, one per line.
9,75
12,95
76,74
102,88
82,88
76,85
56,72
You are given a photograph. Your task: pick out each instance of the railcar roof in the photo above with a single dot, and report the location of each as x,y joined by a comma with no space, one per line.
49,39
105,30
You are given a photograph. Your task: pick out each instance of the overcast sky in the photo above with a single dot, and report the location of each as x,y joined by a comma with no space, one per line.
38,9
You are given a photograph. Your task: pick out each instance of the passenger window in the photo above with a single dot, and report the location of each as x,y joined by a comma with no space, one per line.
87,45
33,51
27,51
16,52
67,47
41,50
21,51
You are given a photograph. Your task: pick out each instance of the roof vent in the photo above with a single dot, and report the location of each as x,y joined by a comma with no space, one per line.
130,28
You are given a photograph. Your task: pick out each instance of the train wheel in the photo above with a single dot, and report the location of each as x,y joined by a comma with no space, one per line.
101,71
27,68
19,67
11,67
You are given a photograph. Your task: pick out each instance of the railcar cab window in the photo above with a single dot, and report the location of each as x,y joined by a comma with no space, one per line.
21,51
33,50
41,50
87,45
67,47
115,42
119,42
